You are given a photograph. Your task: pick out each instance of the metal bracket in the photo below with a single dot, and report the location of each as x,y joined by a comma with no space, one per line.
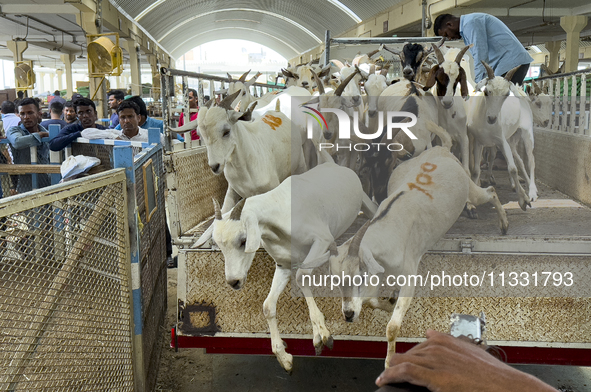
467,246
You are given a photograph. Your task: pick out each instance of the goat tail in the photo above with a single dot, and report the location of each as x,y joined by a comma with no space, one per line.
442,133
368,207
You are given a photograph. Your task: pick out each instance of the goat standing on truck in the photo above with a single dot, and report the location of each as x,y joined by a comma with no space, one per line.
427,194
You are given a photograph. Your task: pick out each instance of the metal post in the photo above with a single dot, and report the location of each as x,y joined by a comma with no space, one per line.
326,47
583,120
424,18
165,113
54,156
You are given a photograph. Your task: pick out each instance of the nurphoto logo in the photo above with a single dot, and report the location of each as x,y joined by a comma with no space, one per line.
394,120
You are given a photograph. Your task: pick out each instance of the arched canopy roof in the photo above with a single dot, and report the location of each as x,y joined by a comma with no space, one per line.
289,27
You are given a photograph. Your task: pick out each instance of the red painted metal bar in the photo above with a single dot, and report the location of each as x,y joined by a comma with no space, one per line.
369,349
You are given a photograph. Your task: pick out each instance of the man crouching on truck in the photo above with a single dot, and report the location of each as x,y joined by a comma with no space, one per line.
24,136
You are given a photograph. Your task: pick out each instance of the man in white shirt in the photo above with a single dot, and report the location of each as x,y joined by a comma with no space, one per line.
129,119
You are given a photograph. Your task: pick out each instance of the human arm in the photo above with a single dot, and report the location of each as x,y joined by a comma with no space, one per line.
475,33
443,363
66,136
18,139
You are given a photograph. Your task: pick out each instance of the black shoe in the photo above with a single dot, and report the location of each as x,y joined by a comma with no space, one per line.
172,262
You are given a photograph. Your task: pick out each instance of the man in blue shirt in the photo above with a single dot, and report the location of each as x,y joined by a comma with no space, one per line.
57,97
115,99
55,111
9,117
28,134
146,122
493,43
87,115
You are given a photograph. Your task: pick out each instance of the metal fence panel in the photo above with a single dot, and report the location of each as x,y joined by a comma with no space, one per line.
65,306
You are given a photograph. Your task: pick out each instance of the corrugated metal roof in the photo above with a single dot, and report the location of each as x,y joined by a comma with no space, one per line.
286,26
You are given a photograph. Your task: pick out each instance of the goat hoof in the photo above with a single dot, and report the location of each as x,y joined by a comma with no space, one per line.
492,181
329,342
318,348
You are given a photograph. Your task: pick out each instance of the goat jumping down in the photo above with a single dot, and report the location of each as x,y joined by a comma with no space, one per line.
326,200
426,196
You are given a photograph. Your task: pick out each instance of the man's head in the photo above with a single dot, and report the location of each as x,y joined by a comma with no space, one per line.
56,109
28,111
115,98
142,105
86,112
57,93
8,107
129,117
193,101
448,26
70,112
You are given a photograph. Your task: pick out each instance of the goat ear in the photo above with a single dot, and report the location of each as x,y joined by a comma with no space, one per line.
288,73
253,233
463,83
431,78
515,90
315,261
206,236
373,268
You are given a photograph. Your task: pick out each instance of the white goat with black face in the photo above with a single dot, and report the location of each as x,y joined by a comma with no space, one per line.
501,120
295,222
426,196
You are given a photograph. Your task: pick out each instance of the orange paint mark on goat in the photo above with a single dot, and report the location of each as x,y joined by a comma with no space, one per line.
272,121
412,186
428,167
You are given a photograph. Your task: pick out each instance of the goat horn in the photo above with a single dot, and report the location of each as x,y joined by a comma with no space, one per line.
370,54
243,77
440,58
391,50
385,69
510,74
318,82
537,88
237,210
229,77
209,103
462,53
356,242
489,70
344,83
217,209
227,102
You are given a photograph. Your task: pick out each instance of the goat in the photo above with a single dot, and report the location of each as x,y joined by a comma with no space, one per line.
244,98
500,120
426,196
452,114
413,57
541,106
302,76
255,156
267,220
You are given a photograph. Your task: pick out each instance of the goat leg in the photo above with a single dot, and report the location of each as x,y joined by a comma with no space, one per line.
280,280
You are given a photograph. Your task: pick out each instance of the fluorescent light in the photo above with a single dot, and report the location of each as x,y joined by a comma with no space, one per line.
536,49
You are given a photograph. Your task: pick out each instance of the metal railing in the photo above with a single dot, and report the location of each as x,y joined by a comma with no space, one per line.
170,101
65,302
570,94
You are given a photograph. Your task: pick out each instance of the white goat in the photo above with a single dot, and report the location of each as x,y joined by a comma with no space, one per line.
255,156
426,196
302,76
541,106
500,120
267,220
244,98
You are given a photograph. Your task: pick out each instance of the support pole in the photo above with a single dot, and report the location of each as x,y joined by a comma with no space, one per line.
326,47
572,25
553,59
68,59
134,64
60,79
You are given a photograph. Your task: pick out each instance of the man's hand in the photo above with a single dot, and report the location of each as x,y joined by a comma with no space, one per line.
443,363
44,134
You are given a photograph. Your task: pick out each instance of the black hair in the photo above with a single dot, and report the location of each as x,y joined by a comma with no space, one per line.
128,104
192,90
140,103
119,95
440,21
56,107
205,98
29,101
8,107
57,93
83,102
69,104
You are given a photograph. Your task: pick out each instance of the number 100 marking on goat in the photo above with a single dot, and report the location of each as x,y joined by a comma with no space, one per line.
423,178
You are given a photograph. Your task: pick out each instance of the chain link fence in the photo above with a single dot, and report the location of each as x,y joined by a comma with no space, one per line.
65,303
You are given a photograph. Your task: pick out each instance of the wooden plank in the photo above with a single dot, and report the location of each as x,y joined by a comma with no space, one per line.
28,169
